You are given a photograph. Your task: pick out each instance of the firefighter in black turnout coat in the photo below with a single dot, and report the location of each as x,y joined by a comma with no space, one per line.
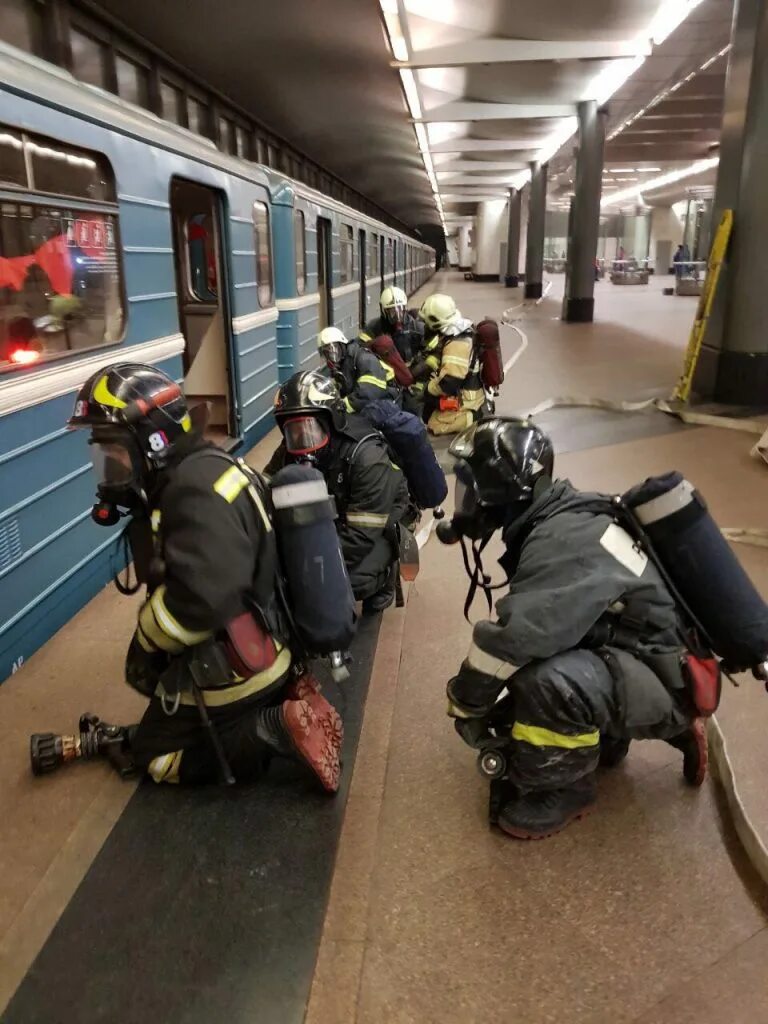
202,538
586,642
371,493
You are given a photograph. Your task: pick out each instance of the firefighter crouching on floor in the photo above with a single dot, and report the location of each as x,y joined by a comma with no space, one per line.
370,492
454,392
202,536
406,333
587,641
361,376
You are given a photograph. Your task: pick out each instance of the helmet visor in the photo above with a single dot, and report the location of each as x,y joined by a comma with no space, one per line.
333,353
394,315
304,435
112,464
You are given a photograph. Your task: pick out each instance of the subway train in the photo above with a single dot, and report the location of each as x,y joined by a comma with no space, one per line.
124,237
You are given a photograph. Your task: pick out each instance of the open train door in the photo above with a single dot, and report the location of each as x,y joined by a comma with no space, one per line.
324,271
202,292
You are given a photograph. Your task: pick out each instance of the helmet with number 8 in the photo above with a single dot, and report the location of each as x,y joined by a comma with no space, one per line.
137,415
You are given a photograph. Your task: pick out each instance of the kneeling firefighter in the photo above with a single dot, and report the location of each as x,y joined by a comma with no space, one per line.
221,641
370,492
454,392
597,642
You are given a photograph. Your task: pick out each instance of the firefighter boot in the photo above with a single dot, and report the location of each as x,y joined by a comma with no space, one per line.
693,744
541,813
383,597
293,730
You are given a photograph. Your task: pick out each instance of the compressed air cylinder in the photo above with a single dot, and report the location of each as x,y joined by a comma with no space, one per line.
703,568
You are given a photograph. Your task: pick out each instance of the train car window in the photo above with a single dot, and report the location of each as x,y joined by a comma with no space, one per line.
300,250
346,252
197,116
201,257
263,248
172,102
373,257
89,59
22,25
241,142
13,170
60,282
132,81
226,135
68,171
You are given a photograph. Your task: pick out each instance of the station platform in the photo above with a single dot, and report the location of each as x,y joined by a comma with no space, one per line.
395,903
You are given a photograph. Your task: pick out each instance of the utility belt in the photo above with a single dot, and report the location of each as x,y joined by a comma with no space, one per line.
690,672
243,661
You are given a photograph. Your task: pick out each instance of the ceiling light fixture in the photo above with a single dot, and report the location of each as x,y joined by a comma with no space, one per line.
665,179
411,92
670,15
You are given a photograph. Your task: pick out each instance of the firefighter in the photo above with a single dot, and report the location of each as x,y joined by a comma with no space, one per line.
202,539
449,368
587,642
395,321
361,376
371,493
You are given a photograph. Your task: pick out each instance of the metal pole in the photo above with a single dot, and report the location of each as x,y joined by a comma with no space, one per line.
512,278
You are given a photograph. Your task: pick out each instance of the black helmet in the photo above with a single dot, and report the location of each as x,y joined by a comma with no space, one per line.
504,457
136,415
307,407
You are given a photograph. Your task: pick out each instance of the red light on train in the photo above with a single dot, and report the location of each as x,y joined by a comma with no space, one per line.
24,356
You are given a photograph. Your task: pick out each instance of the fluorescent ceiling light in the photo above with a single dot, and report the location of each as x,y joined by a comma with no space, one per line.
621,170
647,170
669,16
665,179
421,138
411,92
611,78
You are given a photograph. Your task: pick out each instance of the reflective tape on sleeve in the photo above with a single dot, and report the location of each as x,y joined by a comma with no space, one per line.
368,378
170,625
539,737
231,482
488,664
370,519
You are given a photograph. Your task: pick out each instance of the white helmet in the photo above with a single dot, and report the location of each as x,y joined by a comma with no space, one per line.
438,312
392,304
332,343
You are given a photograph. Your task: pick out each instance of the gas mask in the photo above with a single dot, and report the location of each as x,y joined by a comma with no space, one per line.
477,524
394,316
119,484
333,354
307,439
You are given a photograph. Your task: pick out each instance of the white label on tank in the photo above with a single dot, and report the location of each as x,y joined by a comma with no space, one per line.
618,543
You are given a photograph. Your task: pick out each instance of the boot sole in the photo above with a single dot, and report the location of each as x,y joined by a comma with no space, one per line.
699,730
307,688
520,833
312,743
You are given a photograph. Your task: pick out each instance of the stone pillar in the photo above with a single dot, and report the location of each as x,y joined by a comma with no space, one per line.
512,278
488,234
579,300
537,214
465,254
733,365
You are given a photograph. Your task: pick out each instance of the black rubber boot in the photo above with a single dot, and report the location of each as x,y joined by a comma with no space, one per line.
693,744
544,812
612,751
383,597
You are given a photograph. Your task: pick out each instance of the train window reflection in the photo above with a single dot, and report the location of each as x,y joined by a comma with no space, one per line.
201,254
263,246
300,250
60,284
346,252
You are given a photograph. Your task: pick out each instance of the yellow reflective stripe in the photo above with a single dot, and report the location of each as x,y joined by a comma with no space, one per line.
433,362
155,519
368,378
229,694
170,625
348,405
231,482
539,737
373,519
166,767
254,494
186,423
102,394
144,640
154,633
456,361
364,336
388,371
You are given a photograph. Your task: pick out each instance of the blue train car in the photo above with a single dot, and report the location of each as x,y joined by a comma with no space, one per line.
330,268
124,237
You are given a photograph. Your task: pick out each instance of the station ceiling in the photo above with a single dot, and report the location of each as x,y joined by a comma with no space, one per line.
430,106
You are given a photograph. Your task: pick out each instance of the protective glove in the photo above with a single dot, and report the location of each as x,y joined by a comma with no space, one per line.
434,388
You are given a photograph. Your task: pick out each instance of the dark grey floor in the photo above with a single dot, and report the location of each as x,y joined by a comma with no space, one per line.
203,906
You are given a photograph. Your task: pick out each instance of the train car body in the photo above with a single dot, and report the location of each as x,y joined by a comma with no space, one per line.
123,237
